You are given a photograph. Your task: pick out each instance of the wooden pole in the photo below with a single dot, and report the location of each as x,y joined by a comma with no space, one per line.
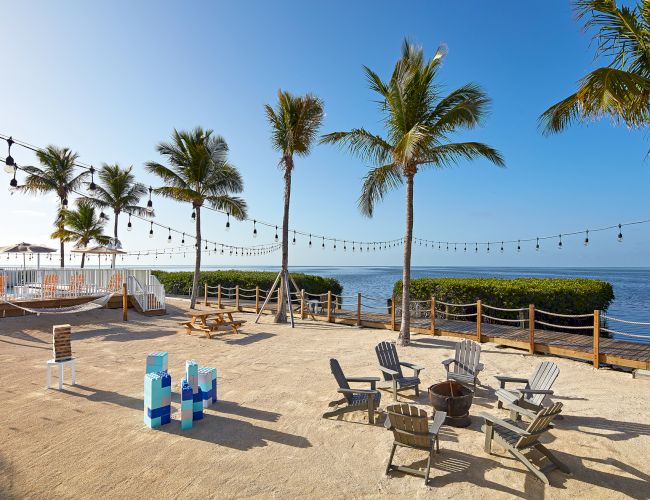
219,296
125,303
478,320
433,315
392,313
596,339
329,306
447,311
358,308
237,297
302,303
531,329
206,293
257,299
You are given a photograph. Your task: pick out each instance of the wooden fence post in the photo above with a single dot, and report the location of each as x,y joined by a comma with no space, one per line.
302,303
392,313
219,296
447,312
478,320
596,339
257,299
237,297
433,315
125,304
358,308
206,293
329,306
531,329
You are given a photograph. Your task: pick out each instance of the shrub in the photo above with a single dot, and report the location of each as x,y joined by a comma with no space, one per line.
180,282
563,296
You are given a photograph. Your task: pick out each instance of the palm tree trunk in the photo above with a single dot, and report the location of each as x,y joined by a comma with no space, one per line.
281,316
83,260
405,328
117,214
197,262
61,228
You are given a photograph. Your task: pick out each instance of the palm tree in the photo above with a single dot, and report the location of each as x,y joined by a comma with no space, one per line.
621,89
199,173
294,125
120,192
57,176
82,226
418,123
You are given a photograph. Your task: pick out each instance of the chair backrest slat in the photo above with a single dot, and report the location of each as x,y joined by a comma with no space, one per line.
387,357
539,424
468,355
339,376
542,379
409,425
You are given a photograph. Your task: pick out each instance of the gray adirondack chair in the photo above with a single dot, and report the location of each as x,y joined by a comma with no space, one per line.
531,396
465,367
517,440
412,429
354,399
391,369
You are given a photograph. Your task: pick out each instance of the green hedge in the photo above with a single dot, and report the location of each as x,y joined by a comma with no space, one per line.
564,296
180,282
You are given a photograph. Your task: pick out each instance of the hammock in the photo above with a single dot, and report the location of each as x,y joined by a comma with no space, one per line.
98,303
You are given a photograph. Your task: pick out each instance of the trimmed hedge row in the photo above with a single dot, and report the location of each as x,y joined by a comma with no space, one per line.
564,296
180,282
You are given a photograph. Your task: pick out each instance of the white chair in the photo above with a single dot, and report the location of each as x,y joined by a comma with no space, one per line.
52,362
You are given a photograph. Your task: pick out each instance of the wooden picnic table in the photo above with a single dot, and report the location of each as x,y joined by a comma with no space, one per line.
199,321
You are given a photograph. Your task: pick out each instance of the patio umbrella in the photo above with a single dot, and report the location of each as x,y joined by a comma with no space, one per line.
26,248
100,250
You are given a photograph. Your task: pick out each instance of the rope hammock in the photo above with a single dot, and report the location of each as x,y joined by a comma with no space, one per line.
98,303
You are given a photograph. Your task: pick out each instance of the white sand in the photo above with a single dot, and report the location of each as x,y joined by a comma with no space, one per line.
266,437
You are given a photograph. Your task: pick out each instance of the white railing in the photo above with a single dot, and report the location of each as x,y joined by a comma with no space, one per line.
149,295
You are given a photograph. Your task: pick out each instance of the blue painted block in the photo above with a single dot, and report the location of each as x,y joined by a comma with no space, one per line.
186,392
152,422
165,419
198,396
166,380
198,415
158,412
214,390
186,424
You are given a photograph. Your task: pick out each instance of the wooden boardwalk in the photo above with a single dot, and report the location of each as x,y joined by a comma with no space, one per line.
564,344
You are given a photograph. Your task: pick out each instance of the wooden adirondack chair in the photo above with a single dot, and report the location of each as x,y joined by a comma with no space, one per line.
412,429
354,399
3,287
517,440
466,366
536,388
391,369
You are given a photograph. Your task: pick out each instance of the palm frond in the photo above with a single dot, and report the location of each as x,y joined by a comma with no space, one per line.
449,154
376,184
234,205
361,143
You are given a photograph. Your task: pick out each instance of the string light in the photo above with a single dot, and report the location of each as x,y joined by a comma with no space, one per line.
151,230
169,238
150,202
323,245
276,233
587,238
13,183
559,245
9,161
537,245
310,241
620,234
254,229
92,186
193,214
228,222
294,238
518,246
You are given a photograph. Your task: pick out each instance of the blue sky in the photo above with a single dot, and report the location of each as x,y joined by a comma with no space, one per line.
112,79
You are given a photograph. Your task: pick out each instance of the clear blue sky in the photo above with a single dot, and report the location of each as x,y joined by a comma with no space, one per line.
112,79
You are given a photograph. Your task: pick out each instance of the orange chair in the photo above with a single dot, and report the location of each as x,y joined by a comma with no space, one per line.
114,283
3,287
50,284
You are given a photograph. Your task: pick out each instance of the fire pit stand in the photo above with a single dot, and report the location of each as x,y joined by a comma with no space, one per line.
453,398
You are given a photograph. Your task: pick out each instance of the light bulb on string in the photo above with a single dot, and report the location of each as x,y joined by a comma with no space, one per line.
64,203
559,244
310,241
169,237
183,240
587,238
151,230
353,247
254,229
294,238
206,244
9,161
92,186
323,244
344,246
129,226
150,202
620,234
276,234
502,247
518,246
13,183
334,247
537,245
488,247
465,249
193,214
476,249
228,221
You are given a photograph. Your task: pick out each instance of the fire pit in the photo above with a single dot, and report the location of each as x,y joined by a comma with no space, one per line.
453,398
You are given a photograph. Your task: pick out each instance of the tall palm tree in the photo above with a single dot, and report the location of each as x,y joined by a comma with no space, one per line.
57,175
82,226
294,124
199,173
119,191
621,89
418,122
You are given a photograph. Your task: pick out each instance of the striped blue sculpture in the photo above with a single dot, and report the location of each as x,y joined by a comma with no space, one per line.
187,406
192,378
205,384
157,399
156,362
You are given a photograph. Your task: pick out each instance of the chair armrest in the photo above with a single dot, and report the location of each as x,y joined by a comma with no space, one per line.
534,391
515,380
416,368
504,424
356,391
388,371
448,362
520,410
362,379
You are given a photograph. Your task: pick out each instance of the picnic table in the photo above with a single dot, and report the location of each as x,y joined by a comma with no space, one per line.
209,322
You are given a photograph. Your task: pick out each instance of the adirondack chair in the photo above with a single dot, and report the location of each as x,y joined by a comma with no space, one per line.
466,366
517,440
532,394
412,429
391,369
354,399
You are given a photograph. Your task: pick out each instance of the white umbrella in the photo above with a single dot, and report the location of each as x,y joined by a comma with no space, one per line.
100,250
26,248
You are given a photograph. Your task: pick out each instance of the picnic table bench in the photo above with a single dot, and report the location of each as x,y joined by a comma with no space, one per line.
209,322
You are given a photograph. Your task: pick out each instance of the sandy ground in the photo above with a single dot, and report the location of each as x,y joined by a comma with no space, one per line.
265,437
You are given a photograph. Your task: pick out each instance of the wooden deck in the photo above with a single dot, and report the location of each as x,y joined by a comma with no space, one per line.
570,345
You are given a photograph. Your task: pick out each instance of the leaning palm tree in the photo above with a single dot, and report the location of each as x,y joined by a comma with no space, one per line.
57,175
119,191
199,173
294,125
620,90
419,122
82,226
